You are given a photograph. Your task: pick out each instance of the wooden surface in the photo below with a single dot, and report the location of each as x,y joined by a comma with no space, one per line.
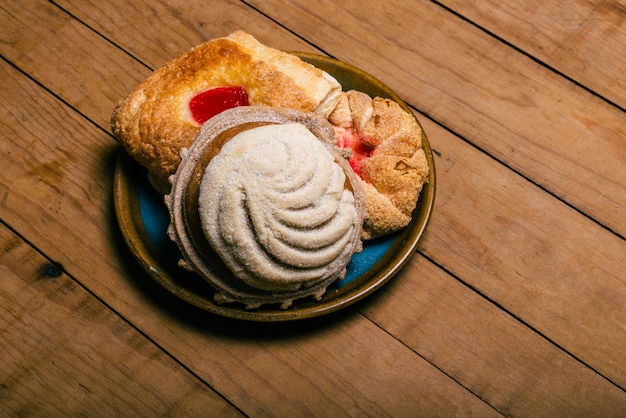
514,303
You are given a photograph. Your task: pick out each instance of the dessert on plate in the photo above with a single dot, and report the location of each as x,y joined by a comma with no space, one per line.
164,113
250,146
387,155
268,192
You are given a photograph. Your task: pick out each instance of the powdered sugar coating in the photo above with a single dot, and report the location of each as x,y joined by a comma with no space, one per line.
274,207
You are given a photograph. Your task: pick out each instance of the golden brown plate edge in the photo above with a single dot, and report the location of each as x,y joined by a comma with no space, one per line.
401,250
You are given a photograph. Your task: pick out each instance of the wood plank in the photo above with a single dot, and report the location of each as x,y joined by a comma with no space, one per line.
262,362
523,251
65,353
27,26
585,40
516,370
181,25
557,134
57,183
536,257
490,271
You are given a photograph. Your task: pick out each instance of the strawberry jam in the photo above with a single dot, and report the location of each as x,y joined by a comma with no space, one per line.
360,149
211,102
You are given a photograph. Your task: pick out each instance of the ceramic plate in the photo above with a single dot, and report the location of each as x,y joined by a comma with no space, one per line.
143,220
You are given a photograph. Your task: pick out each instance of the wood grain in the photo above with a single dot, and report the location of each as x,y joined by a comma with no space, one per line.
483,269
260,374
517,310
528,375
63,351
100,73
533,255
180,25
584,40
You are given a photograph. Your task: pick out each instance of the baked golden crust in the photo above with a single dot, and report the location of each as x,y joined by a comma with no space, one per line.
389,158
154,122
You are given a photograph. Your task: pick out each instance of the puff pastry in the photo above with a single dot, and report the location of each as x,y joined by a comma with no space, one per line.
155,121
163,116
387,154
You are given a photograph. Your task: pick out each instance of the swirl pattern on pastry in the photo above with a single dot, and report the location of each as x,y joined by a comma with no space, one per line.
274,206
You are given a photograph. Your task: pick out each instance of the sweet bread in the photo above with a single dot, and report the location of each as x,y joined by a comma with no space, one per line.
164,113
387,155
270,193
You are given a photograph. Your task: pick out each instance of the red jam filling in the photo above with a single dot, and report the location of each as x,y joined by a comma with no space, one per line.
360,150
211,102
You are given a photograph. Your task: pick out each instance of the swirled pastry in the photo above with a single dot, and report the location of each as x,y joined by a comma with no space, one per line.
387,155
274,207
163,114
274,199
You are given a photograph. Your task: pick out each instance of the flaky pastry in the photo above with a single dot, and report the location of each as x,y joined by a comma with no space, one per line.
387,155
164,113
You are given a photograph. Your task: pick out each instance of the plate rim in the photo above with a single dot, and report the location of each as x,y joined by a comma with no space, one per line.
124,206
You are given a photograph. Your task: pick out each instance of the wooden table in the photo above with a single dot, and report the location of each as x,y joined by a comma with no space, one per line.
514,303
